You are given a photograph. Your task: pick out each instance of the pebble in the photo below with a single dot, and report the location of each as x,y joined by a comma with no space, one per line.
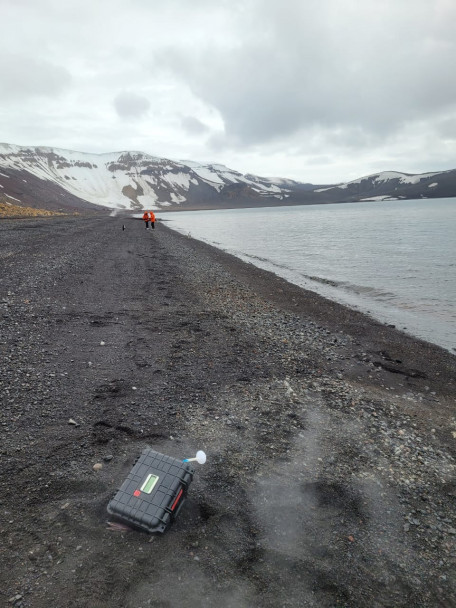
97,466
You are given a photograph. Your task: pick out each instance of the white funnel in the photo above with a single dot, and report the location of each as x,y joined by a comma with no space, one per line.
200,457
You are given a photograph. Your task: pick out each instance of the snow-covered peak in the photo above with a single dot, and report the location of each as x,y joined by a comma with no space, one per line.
385,176
132,179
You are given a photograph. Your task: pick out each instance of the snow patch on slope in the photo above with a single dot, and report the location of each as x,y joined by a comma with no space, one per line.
126,180
178,179
207,175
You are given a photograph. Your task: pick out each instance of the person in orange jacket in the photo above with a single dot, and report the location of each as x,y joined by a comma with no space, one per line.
145,217
152,219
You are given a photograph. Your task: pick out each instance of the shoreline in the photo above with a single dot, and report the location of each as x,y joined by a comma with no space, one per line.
333,315
387,317
272,204
420,304
330,437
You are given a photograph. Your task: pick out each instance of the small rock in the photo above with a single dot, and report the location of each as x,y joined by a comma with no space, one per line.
102,343
108,457
97,466
73,422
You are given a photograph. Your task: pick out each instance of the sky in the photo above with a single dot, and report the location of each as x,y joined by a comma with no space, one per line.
321,91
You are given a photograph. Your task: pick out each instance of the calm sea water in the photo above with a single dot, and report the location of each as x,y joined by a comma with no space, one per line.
394,260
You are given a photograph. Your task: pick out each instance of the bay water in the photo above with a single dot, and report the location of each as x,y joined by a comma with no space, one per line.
394,260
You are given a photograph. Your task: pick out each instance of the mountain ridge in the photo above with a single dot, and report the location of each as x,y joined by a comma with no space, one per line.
67,181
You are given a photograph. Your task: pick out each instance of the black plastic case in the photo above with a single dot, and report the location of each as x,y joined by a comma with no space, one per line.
153,493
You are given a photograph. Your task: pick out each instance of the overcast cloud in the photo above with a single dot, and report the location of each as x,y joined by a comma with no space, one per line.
316,90
131,105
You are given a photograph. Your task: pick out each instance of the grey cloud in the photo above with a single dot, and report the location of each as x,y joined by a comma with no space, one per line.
305,66
193,126
131,105
24,77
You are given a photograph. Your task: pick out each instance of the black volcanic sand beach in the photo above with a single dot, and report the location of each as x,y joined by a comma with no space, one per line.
330,479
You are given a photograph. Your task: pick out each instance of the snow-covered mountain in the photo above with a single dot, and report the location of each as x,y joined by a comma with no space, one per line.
55,179
131,180
392,185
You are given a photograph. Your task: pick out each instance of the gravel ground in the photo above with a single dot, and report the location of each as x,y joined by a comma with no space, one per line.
330,479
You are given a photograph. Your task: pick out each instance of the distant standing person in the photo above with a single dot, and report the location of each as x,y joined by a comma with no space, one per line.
152,219
145,217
